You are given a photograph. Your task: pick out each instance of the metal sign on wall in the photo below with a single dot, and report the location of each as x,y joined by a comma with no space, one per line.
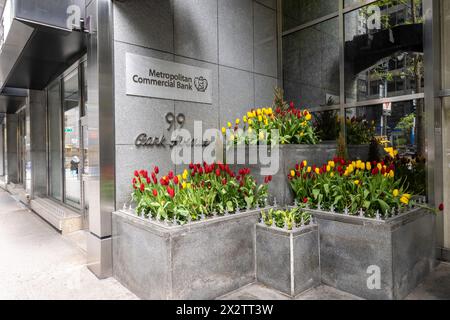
155,78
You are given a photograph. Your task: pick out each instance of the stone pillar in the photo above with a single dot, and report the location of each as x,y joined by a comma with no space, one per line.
38,143
2,149
11,145
101,153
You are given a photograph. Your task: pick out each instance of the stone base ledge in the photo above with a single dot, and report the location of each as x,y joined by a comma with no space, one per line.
59,216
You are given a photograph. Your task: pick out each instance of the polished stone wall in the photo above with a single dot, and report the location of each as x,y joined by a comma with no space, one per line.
235,39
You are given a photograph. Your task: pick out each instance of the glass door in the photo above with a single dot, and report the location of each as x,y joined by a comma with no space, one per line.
72,140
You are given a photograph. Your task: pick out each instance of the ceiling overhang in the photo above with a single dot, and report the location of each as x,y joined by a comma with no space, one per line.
39,44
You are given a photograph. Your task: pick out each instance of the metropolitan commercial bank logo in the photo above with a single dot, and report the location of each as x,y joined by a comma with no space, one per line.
150,77
180,81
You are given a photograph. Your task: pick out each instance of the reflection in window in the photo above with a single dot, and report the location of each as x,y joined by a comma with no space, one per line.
298,12
394,123
384,47
311,65
327,125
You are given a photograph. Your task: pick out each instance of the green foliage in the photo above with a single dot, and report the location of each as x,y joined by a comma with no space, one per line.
287,219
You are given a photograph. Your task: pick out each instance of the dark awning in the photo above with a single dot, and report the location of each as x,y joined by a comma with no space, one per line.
39,44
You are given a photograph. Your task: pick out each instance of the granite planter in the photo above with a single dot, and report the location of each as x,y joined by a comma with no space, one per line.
288,261
288,156
352,248
200,260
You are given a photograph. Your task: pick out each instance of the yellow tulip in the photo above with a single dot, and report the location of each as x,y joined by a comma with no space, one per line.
249,115
392,174
356,182
266,122
332,174
309,170
317,171
308,117
185,174
404,200
368,166
305,163
328,168
238,121
229,125
395,193
270,111
292,173
407,196
189,185
379,166
224,130
244,118
250,121
184,185
261,135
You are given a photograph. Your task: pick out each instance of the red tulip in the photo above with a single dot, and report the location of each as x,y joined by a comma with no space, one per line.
156,170
148,180
170,175
305,200
218,172
224,181
136,173
175,180
441,207
142,187
171,192
155,192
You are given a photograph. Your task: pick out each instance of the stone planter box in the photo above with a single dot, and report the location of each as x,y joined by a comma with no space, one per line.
201,260
289,156
288,261
353,248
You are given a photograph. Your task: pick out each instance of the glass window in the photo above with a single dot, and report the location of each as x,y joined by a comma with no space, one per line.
72,152
394,122
311,65
298,12
446,43
54,127
384,42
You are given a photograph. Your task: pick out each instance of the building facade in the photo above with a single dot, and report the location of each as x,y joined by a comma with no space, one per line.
76,105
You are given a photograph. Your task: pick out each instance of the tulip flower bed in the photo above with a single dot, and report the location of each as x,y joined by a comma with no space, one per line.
287,250
191,236
350,186
375,241
202,190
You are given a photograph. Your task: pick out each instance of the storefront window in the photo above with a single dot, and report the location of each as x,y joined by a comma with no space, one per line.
72,151
311,65
55,154
298,12
384,50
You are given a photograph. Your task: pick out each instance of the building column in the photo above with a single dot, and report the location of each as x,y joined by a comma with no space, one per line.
2,149
11,148
101,153
37,104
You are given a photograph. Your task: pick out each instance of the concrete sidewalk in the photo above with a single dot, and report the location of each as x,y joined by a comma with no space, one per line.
36,262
